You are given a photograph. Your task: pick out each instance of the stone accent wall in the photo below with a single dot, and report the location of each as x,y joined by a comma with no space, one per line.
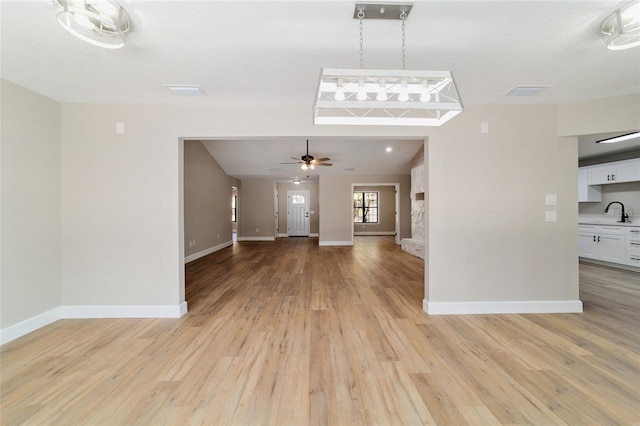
415,244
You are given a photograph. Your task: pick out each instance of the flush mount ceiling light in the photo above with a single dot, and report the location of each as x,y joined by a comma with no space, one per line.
621,29
102,23
385,97
297,181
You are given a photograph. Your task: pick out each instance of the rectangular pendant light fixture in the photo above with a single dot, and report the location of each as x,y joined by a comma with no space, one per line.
386,97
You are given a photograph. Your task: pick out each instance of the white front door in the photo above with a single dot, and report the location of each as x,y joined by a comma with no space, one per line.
298,213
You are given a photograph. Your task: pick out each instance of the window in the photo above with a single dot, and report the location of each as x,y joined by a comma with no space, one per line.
365,207
297,199
234,208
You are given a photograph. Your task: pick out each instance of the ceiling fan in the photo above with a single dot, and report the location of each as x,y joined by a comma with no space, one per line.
309,162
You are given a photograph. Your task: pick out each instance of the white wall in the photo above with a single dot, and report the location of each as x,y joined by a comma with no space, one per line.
489,243
30,224
207,202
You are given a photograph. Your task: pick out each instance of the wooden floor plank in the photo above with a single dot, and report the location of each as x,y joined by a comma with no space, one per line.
290,333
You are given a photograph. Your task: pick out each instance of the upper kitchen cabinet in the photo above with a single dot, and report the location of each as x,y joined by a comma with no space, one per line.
615,172
586,192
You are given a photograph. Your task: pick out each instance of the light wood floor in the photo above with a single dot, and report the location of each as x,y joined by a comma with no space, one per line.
289,333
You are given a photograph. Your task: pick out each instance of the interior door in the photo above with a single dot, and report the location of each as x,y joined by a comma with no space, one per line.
298,213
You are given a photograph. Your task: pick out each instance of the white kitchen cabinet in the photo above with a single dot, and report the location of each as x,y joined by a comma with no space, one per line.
615,172
587,246
586,192
633,246
607,243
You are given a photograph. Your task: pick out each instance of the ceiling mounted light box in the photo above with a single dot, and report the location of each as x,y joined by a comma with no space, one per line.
397,97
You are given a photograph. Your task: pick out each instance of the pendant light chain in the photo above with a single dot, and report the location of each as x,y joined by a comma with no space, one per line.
361,17
403,16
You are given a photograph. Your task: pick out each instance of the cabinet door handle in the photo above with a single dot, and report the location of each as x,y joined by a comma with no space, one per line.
594,238
633,231
608,178
613,177
635,244
598,238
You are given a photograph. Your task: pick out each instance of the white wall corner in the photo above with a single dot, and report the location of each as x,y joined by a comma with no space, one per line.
205,252
504,307
31,324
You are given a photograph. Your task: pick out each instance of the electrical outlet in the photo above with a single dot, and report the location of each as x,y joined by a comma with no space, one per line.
257,230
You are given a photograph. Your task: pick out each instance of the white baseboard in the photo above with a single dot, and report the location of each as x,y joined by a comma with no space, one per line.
506,307
374,233
281,235
210,250
123,311
314,235
256,238
88,311
30,324
335,243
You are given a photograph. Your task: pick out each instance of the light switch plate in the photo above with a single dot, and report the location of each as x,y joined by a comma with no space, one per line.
484,127
551,216
120,128
551,199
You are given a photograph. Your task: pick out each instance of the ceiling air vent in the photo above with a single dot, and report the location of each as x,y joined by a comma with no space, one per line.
185,90
526,90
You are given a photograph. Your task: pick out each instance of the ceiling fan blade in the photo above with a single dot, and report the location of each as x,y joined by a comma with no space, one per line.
322,159
324,164
297,159
298,162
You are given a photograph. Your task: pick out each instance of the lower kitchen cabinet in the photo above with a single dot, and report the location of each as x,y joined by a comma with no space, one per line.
607,243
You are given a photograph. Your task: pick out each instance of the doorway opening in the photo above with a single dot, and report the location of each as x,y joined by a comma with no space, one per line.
386,208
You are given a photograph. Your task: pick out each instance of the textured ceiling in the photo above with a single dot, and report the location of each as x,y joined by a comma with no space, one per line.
272,51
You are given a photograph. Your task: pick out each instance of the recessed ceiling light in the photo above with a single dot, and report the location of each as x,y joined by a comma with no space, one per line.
185,89
526,90
620,138
389,149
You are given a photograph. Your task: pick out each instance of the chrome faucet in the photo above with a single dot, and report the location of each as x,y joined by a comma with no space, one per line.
624,216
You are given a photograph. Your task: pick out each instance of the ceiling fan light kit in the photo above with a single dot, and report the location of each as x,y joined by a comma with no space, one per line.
621,29
385,97
103,23
309,162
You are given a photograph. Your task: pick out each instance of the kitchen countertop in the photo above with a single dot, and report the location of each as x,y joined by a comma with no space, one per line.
582,220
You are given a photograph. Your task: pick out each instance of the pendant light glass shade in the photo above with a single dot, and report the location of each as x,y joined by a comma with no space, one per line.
621,29
102,23
386,97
